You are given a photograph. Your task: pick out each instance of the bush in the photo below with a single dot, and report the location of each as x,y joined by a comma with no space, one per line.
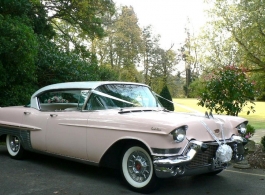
250,131
263,142
166,94
227,90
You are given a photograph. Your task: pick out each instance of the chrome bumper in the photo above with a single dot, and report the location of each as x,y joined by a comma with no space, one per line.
176,165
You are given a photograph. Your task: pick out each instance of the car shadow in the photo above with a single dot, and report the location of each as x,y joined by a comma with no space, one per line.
69,166
63,165
189,184
200,184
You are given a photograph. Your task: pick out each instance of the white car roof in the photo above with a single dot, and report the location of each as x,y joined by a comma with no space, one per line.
74,85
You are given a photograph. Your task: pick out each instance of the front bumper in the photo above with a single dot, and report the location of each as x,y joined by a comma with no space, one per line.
197,158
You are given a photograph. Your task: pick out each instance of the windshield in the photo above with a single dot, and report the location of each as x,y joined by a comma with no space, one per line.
121,96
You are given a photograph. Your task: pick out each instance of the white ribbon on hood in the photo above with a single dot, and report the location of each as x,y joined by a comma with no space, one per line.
224,151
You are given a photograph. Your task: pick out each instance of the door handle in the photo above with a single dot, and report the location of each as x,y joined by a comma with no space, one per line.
27,113
53,115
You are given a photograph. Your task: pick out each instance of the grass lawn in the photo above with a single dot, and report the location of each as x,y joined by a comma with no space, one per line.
256,119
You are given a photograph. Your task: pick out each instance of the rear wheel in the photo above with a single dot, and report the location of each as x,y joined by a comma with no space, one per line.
14,147
137,169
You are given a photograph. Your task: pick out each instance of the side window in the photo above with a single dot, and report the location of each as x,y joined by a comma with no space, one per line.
66,100
95,102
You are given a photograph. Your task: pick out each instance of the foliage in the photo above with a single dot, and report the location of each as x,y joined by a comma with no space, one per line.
85,16
238,21
188,53
228,90
234,35
196,88
106,73
56,66
259,79
31,55
33,10
129,40
18,51
150,45
122,46
163,64
78,23
262,141
250,131
166,94
50,41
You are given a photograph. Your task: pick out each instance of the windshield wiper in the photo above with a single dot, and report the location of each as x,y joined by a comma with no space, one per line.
122,111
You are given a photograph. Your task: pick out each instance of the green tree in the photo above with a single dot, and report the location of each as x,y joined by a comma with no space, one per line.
163,65
150,45
243,19
85,15
259,79
78,23
166,94
106,73
128,41
235,35
197,87
55,65
227,90
18,52
189,55
122,47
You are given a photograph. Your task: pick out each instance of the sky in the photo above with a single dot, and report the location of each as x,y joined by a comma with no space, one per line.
169,18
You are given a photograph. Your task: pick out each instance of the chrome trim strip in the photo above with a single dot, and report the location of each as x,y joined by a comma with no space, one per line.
165,152
195,146
115,129
237,139
18,126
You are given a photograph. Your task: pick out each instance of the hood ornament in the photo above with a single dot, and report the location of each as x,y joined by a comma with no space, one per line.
209,116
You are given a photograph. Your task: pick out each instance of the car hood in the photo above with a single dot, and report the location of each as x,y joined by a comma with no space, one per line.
163,122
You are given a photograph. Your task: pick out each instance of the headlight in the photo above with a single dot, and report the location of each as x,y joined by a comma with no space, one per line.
242,128
179,134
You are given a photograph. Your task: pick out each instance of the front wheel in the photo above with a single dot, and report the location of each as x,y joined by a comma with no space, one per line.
137,169
14,147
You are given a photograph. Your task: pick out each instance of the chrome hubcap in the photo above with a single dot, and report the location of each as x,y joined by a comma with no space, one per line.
139,166
14,144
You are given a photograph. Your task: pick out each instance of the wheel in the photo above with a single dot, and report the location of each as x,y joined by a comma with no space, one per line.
137,169
14,147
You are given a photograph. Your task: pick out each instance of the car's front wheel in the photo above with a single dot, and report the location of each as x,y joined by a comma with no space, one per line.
137,169
14,147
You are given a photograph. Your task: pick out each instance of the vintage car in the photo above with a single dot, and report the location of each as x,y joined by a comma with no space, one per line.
122,125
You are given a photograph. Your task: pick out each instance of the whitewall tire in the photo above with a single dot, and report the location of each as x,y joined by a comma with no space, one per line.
14,147
137,169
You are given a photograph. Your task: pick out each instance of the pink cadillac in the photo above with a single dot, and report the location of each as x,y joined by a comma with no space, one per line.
122,125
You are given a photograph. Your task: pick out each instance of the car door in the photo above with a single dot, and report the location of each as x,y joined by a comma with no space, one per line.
66,134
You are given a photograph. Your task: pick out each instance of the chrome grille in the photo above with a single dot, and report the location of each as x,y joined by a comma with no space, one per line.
202,159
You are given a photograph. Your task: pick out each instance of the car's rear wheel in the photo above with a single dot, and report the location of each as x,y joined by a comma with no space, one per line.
137,169
14,147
